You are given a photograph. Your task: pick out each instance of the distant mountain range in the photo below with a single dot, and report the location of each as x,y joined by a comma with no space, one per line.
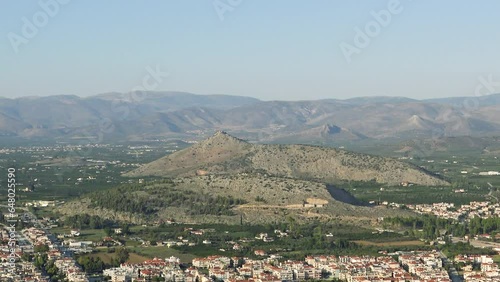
148,115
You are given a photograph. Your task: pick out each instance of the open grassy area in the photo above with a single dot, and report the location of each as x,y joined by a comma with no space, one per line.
390,244
496,258
94,235
60,230
132,243
161,252
106,257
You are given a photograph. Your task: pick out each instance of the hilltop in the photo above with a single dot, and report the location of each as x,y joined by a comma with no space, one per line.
223,154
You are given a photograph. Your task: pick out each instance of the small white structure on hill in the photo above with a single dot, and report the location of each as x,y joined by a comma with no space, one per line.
489,173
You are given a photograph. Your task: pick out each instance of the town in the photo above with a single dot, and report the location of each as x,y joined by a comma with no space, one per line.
36,246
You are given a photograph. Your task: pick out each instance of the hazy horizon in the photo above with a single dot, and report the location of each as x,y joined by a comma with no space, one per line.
280,50
225,94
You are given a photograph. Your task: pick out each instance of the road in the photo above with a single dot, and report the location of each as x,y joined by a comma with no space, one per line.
454,276
491,191
29,216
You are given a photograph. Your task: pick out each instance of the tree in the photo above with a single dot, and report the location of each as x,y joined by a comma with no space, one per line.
325,274
91,264
108,231
126,229
318,236
122,255
27,257
40,260
51,268
41,248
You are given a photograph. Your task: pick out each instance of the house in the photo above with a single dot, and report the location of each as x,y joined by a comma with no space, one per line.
260,252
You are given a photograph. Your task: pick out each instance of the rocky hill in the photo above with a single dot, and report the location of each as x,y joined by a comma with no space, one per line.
224,154
252,198
323,134
224,179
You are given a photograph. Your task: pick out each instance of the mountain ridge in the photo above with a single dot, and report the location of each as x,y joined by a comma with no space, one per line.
224,154
146,115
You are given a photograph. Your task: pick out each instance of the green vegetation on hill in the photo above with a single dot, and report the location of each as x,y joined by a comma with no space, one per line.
85,221
149,199
248,197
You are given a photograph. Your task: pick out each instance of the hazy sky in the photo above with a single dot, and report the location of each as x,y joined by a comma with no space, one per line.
280,49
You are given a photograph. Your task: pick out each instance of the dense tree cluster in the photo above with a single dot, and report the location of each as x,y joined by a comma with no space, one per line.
42,262
91,264
483,225
433,226
148,200
41,248
84,221
463,248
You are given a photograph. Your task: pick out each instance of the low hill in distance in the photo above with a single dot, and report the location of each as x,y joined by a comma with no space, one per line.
324,134
225,154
